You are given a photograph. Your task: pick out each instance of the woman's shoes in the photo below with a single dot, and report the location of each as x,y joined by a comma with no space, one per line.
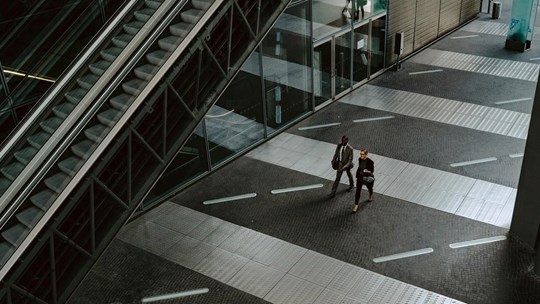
370,199
355,208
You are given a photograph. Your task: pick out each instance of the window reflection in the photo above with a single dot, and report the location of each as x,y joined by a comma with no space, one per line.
329,17
190,163
361,54
236,121
378,36
286,65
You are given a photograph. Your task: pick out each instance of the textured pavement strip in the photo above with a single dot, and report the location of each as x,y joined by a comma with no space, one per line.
261,265
472,198
479,64
448,111
488,27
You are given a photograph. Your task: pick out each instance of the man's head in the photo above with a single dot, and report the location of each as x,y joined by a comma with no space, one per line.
344,140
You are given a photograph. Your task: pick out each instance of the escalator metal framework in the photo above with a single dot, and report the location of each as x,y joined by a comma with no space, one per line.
142,141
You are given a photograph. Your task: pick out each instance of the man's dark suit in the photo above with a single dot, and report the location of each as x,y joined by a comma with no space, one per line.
345,157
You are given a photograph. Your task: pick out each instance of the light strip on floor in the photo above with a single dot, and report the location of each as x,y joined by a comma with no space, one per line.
425,72
230,198
461,37
301,188
473,162
373,119
478,242
536,58
512,101
320,126
175,295
516,155
403,255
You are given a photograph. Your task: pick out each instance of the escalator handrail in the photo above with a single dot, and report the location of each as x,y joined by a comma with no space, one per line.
53,157
66,77
63,130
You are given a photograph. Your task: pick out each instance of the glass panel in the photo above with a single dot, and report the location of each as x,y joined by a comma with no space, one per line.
360,53
190,162
330,17
343,62
286,64
236,121
322,72
39,39
4,102
6,124
378,38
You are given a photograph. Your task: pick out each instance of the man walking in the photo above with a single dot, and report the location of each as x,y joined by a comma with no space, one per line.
343,157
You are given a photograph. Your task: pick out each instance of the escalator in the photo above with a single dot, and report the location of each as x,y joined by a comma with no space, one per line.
92,154
39,40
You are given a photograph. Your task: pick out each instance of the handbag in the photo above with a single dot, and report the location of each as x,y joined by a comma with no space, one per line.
335,163
368,179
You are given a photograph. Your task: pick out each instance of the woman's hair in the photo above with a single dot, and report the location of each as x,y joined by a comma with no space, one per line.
365,151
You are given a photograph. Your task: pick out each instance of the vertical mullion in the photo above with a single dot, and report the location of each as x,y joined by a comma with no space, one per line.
229,47
263,91
369,47
207,146
93,218
198,82
258,18
165,121
310,14
130,159
53,269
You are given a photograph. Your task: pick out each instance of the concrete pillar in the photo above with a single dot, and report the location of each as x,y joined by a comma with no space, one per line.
526,218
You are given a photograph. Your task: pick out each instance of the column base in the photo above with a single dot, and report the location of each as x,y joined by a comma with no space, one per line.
517,46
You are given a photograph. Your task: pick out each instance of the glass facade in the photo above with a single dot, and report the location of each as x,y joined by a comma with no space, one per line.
311,55
236,121
286,68
317,50
323,76
361,53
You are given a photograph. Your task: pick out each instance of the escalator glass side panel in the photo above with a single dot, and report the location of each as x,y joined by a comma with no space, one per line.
80,94
39,40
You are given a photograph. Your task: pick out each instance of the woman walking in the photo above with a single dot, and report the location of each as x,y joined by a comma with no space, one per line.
364,176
